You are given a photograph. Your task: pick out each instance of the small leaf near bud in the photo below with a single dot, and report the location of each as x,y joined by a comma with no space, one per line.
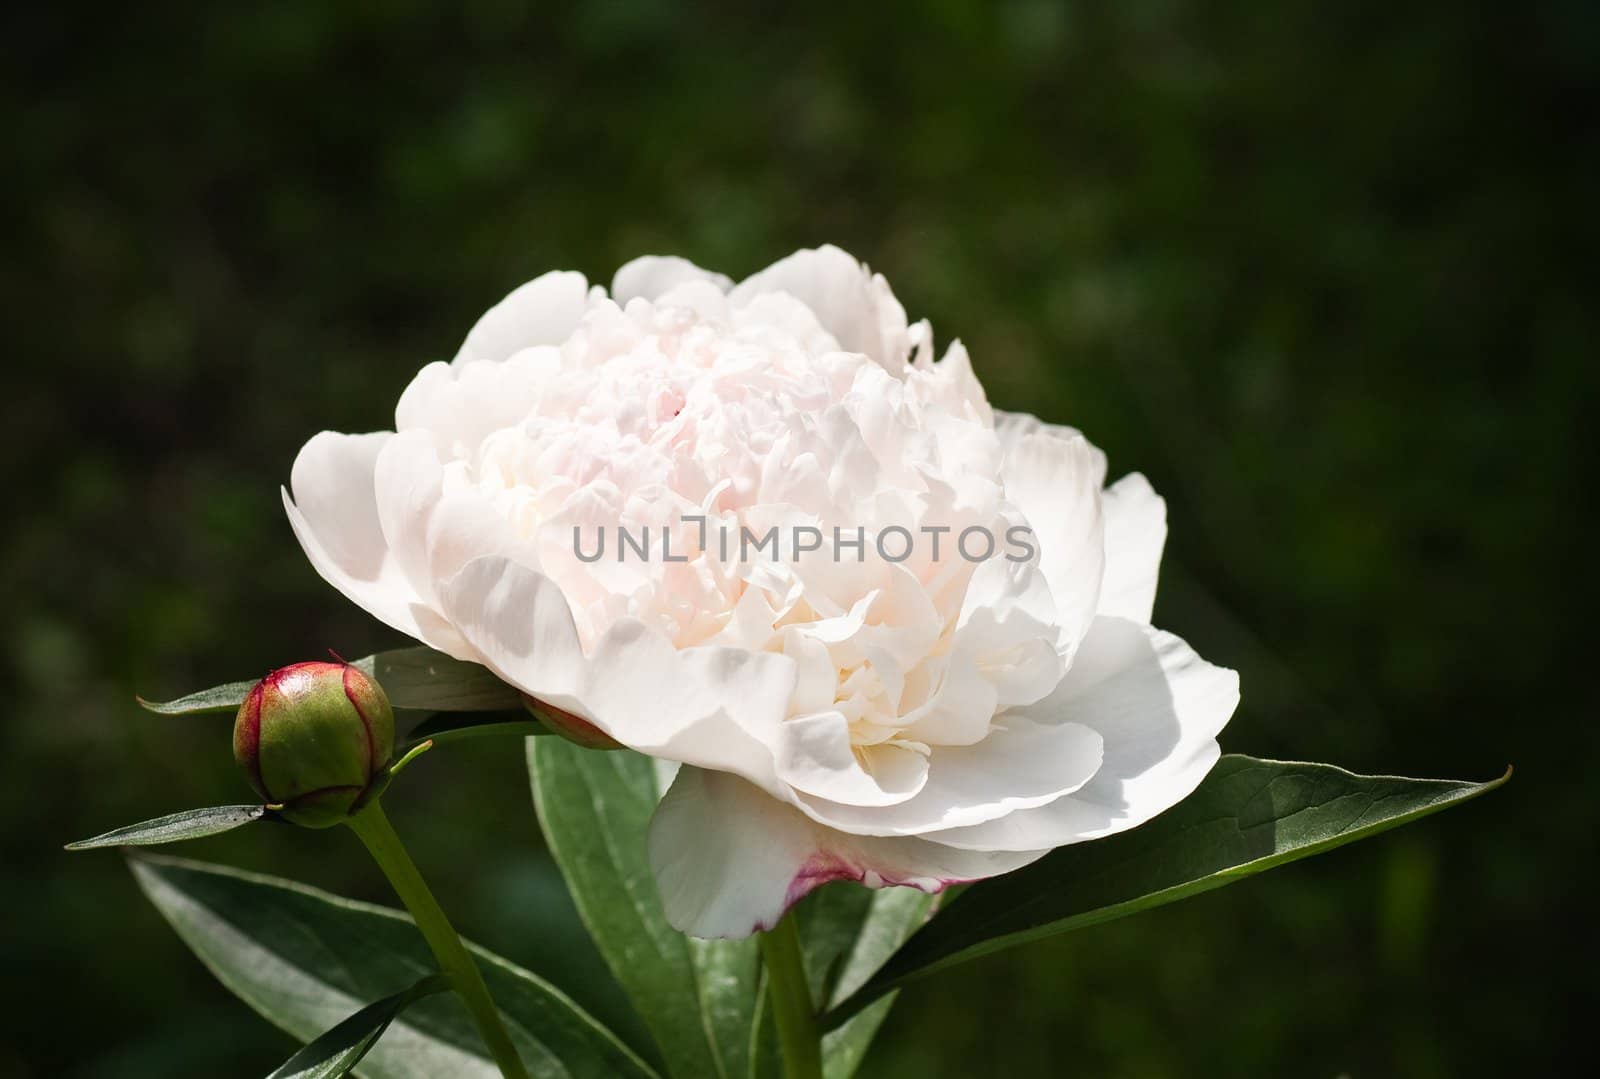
573,728
311,737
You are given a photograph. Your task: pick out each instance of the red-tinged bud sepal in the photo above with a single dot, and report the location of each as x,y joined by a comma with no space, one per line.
573,728
311,738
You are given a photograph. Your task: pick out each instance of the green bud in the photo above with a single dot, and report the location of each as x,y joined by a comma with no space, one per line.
573,728
311,737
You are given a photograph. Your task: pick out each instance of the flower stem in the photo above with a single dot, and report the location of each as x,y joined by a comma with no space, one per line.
454,960
790,998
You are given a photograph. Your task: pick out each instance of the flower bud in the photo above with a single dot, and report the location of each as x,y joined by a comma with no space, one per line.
311,737
573,728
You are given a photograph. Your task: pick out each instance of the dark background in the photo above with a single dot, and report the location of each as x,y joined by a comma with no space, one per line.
1316,268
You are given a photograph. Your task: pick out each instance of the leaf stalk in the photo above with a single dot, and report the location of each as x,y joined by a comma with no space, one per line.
375,831
799,1037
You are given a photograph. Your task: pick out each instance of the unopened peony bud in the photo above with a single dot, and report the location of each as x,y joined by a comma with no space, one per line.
311,737
573,728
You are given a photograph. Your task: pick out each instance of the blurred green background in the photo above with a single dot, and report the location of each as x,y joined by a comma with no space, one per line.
1317,269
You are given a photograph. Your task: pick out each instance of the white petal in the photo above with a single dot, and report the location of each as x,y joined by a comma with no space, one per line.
711,707
729,860
1055,482
459,405
432,527
1157,705
544,311
852,304
782,311
961,710
707,299
1020,764
652,276
334,514
725,854
815,756
1136,531
1010,426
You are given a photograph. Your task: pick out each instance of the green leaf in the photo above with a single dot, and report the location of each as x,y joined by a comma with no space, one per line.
697,997
223,698
338,1051
894,914
457,726
189,824
830,920
305,960
428,681
417,679
1248,815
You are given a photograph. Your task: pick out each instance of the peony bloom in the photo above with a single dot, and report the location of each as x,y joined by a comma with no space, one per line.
892,712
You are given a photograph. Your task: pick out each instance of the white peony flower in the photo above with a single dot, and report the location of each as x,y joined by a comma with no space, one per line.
842,712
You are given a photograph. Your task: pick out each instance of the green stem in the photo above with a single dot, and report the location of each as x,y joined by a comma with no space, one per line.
454,960
790,998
